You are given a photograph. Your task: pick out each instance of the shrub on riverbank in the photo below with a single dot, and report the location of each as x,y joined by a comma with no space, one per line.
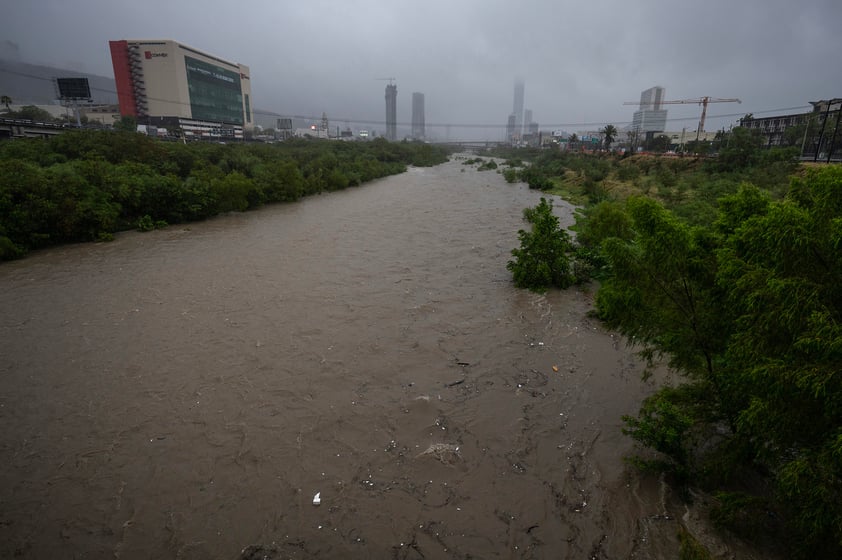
749,309
730,272
689,186
543,259
86,185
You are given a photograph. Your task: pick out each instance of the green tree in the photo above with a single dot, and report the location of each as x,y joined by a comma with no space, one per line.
601,221
609,133
83,119
233,192
698,147
32,113
742,150
802,136
720,140
26,211
510,174
782,269
84,212
660,143
662,292
664,424
127,123
750,310
6,101
543,257
282,181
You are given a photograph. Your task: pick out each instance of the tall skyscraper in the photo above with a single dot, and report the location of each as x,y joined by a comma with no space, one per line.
518,109
650,118
418,116
391,112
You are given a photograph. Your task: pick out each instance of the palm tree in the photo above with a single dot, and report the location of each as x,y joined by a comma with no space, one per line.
6,100
609,133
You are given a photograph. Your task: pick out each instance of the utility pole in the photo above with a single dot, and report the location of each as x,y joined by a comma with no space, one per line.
804,140
835,129
821,134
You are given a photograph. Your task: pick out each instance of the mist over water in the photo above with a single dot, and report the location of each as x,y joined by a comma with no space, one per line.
186,392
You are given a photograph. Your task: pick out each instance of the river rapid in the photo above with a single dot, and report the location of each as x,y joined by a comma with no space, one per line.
185,393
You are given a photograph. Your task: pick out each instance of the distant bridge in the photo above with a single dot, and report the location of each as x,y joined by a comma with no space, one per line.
473,144
23,128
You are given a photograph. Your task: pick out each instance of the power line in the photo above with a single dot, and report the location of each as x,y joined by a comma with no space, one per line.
549,125
431,125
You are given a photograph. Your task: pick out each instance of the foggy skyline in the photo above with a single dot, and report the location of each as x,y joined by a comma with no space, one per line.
580,62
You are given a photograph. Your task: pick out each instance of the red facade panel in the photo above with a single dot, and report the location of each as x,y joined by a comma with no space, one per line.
123,77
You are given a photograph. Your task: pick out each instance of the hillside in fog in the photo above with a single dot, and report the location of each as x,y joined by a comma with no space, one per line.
32,84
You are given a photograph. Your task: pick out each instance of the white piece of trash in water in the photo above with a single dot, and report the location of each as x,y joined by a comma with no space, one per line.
317,499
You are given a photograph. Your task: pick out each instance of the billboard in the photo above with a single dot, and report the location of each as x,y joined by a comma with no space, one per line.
73,88
215,92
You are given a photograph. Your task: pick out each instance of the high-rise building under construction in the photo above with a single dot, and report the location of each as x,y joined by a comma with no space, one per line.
518,110
418,116
650,117
391,112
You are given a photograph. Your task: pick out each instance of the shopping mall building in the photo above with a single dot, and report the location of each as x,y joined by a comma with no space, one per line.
169,85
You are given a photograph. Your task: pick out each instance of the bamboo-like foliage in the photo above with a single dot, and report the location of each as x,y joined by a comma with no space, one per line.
749,308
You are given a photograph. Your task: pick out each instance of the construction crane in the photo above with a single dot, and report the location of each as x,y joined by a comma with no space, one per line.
703,101
391,80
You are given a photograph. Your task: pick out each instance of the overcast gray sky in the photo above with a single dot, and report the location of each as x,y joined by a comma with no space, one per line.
579,60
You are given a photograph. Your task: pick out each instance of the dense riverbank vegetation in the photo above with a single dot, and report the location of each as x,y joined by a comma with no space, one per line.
87,185
730,269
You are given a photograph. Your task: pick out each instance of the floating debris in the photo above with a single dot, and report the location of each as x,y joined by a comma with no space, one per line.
443,452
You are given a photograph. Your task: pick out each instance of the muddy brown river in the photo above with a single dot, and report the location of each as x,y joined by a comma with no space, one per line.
185,393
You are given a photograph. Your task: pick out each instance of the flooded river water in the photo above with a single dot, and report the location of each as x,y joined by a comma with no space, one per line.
185,393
